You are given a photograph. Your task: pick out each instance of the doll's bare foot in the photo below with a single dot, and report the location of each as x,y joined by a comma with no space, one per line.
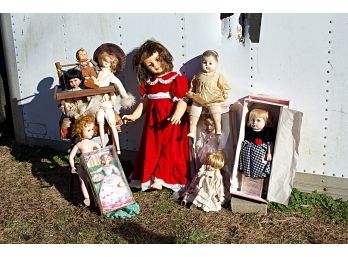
87,202
118,152
156,185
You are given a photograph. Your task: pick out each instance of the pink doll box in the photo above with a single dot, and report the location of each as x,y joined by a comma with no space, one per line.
287,124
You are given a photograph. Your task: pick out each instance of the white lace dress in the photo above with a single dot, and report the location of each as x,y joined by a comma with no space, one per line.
206,190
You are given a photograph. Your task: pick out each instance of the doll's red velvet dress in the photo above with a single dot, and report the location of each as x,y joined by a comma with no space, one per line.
163,153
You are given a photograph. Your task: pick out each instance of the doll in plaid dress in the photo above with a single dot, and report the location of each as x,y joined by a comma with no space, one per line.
256,155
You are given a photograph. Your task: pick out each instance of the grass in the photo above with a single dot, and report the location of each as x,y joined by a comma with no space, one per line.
36,208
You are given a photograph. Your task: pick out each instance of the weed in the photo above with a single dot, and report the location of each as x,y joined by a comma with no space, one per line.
322,206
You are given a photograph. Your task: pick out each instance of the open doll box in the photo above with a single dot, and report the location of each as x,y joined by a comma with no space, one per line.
278,186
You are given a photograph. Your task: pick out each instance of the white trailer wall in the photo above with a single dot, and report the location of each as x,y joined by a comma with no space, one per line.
301,57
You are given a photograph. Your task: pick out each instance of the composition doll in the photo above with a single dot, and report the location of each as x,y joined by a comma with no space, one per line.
255,155
208,89
163,158
206,190
87,68
74,107
103,105
84,129
207,141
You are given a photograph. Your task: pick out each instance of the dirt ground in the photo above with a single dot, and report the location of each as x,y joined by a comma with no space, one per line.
37,207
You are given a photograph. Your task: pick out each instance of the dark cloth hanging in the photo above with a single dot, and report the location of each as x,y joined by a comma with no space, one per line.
225,15
254,22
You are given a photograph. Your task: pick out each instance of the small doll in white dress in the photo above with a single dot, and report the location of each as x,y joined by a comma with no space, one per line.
207,141
208,89
206,190
104,105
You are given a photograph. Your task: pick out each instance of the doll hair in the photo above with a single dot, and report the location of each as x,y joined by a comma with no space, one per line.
216,159
146,50
260,113
209,121
104,158
211,53
72,74
113,60
81,123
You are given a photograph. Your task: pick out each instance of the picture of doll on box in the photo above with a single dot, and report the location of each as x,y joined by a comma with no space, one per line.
257,147
108,181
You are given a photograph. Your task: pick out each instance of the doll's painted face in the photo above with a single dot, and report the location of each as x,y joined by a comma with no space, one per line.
106,62
154,64
74,82
82,57
88,131
209,64
209,126
257,123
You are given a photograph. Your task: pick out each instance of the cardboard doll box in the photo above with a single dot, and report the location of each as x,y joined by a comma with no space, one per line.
107,179
287,123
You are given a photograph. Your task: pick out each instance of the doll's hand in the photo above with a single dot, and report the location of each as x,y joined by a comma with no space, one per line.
73,170
174,119
128,118
269,157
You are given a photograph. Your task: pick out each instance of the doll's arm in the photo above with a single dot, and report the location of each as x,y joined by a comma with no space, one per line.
269,152
71,158
179,112
141,108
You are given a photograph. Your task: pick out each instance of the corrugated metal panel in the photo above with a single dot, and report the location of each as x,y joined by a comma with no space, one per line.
290,61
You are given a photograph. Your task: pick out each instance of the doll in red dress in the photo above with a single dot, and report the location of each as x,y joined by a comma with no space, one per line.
163,158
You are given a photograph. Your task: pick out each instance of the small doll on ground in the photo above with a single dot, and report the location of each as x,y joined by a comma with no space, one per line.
87,68
207,141
208,89
74,107
163,158
84,129
206,190
256,150
109,58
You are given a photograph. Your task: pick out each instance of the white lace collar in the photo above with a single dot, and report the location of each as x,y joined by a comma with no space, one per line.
161,80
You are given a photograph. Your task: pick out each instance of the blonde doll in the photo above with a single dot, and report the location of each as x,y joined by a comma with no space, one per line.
206,190
255,155
84,129
208,89
103,105
163,158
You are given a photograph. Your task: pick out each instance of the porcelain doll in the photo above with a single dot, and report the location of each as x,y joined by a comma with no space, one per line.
104,105
207,141
74,107
84,129
208,89
206,190
87,68
163,157
256,150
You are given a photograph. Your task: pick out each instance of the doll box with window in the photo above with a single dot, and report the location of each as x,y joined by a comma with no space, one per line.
277,186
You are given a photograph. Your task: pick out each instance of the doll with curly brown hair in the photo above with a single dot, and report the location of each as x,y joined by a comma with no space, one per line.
84,129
